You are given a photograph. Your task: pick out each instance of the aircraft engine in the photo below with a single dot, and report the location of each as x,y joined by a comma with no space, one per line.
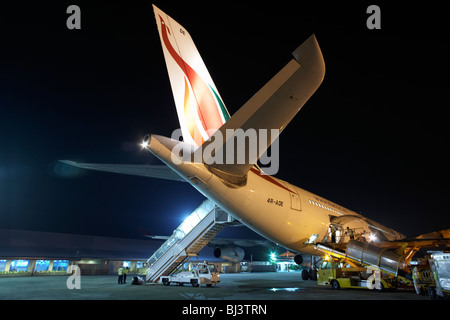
233,254
298,259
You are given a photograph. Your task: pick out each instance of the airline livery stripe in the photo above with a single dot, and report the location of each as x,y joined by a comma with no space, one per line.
270,179
224,110
189,117
209,116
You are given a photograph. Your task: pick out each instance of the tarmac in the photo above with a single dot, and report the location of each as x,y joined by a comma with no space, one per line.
238,296
242,286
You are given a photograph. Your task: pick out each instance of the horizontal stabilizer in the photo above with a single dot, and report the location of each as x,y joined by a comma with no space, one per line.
272,107
152,171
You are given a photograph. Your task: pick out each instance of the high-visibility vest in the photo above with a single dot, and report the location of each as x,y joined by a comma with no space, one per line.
120,271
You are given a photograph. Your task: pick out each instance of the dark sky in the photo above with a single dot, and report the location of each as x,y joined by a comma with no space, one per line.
373,138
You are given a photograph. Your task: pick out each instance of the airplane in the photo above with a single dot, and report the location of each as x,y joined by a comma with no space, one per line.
285,214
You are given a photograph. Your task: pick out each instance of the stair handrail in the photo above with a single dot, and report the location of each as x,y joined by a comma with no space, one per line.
183,230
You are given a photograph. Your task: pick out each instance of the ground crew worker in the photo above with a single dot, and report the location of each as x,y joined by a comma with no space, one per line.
120,273
124,272
415,276
333,234
350,233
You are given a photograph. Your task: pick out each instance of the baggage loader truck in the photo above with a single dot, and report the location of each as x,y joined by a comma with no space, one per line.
362,265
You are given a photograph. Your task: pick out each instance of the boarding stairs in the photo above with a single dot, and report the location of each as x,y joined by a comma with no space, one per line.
187,240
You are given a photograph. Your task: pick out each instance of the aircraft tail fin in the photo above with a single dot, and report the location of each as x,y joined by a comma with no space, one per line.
200,108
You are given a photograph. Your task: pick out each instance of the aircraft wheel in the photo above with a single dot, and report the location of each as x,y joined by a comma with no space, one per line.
165,281
194,282
312,274
305,274
335,285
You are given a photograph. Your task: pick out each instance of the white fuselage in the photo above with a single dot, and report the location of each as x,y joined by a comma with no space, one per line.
275,209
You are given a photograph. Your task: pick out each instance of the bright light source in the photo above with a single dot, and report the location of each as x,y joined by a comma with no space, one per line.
372,238
144,144
146,141
272,257
313,238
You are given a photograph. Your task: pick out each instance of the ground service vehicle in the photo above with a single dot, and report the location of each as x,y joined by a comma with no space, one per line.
198,274
362,265
432,275
341,275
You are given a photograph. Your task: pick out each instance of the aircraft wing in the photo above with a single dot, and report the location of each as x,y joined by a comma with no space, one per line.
432,239
157,237
152,171
219,242
409,246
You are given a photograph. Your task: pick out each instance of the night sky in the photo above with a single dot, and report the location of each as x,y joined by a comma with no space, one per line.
373,138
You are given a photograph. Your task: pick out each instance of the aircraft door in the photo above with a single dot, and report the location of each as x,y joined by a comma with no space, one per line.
295,201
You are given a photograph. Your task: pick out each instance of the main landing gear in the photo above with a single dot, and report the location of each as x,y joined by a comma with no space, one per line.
307,273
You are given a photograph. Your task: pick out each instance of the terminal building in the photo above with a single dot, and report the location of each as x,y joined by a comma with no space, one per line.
33,252
45,253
